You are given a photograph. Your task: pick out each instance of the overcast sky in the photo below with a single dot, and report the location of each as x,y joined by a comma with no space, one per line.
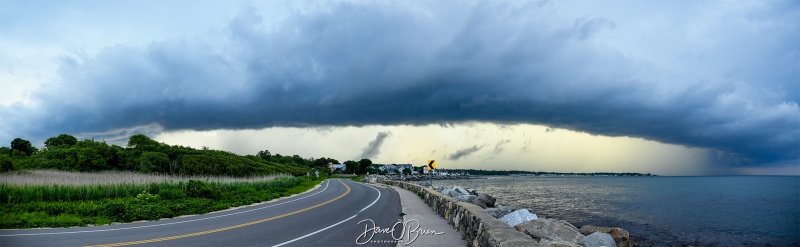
666,87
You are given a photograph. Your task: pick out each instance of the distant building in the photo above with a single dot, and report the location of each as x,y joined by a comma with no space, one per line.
388,169
404,166
392,169
335,167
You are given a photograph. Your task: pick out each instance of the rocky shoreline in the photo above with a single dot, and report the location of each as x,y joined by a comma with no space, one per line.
545,231
548,232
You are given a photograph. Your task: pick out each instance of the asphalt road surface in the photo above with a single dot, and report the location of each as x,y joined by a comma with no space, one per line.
338,213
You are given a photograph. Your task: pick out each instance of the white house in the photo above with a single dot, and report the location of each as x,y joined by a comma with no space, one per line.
333,167
388,169
392,169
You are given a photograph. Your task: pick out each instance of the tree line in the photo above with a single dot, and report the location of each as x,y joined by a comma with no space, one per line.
142,154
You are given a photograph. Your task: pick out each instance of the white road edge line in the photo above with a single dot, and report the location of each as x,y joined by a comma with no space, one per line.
340,222
318,231
373,202
171,223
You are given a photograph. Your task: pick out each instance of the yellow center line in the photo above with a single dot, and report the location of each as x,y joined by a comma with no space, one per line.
226,228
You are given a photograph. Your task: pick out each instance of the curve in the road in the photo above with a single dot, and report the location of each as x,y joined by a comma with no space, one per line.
338,223
171,223
325,216
236,226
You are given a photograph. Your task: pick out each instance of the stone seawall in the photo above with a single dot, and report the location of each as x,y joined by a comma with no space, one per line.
474,224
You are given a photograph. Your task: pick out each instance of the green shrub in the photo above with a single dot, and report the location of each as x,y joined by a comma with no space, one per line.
87,208
199,189
61,206
6,164
146,197
172,194
116,210
151,212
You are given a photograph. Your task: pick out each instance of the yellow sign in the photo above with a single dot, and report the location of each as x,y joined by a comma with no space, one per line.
431,164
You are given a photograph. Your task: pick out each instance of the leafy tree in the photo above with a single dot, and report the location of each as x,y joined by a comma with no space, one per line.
323,162
143,143
351,166
349,169
87,156
298,160
117,157
6,164
147,155
332,160
23,146
153,162
264,155
362,166
62,139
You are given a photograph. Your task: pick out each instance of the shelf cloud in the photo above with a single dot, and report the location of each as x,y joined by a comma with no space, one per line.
701,82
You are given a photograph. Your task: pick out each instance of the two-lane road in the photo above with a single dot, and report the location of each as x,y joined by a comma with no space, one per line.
326,216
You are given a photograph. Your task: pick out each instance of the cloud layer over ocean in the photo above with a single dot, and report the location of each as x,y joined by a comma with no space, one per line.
720,76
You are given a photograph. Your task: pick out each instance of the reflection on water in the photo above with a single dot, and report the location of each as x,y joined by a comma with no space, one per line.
663,211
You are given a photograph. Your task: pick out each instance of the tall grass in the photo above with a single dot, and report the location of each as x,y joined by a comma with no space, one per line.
66,193
26,206
49,177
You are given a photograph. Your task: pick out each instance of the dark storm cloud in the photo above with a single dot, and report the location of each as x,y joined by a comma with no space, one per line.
461,153
362,64
374,147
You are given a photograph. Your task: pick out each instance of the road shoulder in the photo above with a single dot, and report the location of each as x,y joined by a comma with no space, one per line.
416,210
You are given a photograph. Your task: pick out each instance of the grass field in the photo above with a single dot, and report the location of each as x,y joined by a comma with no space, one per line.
48,177
60,199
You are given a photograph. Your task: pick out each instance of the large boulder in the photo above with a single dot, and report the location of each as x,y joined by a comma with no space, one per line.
472,199
621,237
476,201
551,230
518,217
447,191
599,239
461,191
487,200
500,210
547,243
455,192
467,198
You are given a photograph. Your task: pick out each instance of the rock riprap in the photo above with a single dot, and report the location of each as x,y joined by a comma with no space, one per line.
547,232
548,243
598,239
487,200
518,217
621,236
552,230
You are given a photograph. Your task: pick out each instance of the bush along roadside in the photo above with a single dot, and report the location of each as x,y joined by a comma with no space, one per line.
65,206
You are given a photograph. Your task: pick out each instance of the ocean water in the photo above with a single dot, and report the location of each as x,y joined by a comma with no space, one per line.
662,211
